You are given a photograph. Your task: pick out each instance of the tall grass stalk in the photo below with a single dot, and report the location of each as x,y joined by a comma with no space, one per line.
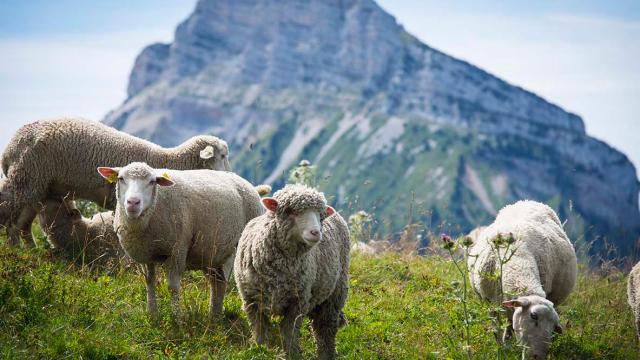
451,246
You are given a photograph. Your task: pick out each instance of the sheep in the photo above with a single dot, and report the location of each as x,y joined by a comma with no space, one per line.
293,261
633,294
541,272
90,240
194,224
52,158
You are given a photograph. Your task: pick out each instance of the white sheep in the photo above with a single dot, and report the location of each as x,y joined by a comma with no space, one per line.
193,225
293,261
88,240
541,272
633,294
53,158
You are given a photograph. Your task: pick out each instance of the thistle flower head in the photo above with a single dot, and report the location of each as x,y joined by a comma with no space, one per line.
467,241
447,241
498,240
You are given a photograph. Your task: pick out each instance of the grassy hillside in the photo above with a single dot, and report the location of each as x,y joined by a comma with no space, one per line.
399,307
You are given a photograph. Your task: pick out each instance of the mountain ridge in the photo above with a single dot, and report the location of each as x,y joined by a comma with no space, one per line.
343,84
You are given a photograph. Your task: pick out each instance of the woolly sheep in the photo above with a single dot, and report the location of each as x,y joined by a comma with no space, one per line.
55,157
90,240
193,225
541,272
293,261
633,294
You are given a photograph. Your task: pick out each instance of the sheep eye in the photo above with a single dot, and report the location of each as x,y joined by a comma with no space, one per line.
120,178
534,316
152,182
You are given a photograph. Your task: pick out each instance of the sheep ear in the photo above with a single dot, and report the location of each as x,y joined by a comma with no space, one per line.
270,204
514,303
207,152
111,174
330,211
164,180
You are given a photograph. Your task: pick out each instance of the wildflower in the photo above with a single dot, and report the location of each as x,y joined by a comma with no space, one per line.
305,163
498,240
447,241
467,241
207,153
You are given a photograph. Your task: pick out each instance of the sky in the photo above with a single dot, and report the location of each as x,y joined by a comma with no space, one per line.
72,57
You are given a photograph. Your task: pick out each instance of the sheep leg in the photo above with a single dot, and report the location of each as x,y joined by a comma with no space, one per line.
328,317
259,323
13,236
218,288
325,322
27,215
150,278
290,332
25,201
174,277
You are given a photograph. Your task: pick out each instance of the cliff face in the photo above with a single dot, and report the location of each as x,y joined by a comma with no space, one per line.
394,126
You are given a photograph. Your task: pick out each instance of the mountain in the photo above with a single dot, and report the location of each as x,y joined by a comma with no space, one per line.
394,126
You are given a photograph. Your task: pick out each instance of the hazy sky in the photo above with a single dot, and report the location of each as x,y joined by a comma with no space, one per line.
73,57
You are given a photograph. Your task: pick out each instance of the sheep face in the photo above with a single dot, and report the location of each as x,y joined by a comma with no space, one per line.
214,152
534,322
303,226
136,186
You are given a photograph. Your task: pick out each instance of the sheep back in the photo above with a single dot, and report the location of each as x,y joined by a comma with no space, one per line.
544,262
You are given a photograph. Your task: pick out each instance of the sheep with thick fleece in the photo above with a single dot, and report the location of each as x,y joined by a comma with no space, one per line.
52,158
293,261
90,240
633,294
184,220
541,272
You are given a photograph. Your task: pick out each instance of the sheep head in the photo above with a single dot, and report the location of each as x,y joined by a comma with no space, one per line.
299,211
136,186
534,322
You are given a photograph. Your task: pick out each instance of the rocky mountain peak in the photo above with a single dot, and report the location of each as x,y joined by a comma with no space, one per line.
343,84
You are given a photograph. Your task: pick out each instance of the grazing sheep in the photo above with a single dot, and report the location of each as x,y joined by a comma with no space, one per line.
53,158
633,293
193,225
541,272
79,238
293,261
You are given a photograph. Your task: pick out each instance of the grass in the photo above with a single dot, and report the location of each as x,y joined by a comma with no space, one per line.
399,307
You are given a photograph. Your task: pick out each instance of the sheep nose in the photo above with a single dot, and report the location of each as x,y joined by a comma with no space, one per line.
315,232
133,201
